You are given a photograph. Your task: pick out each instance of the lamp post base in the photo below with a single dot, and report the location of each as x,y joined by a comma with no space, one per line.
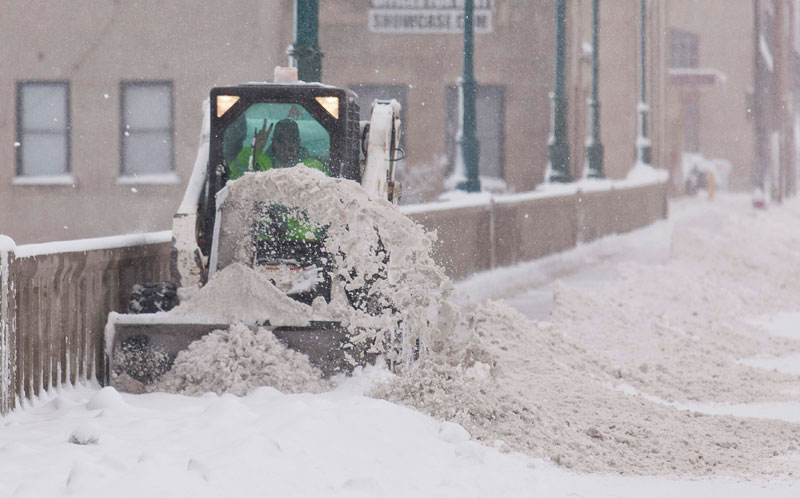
594,161
469,186
558,163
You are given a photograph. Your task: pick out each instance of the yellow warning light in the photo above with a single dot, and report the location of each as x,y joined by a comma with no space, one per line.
331,104
225,102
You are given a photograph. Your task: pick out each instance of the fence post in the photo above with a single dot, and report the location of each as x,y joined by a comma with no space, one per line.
7,327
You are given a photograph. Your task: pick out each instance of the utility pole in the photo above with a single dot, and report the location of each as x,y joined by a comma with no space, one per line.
643,144
594,148
305,53
467,136
557,145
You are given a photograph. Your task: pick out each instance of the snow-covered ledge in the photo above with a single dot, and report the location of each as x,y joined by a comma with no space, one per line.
156,179
44,180
83,245
639,176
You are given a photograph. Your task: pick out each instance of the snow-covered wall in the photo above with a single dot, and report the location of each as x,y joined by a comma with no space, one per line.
480,232
59,296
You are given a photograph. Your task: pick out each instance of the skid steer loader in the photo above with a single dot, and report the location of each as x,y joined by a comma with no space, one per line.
143,344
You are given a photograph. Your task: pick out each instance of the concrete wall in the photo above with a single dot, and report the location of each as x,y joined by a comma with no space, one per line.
529,226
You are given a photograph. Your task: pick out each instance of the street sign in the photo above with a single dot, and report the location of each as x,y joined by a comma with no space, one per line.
427,16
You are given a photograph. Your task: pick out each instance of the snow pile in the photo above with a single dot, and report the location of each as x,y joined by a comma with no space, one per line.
241,358
568,389
680,330
544,395
85,435
379,255
237,361
105,399
239,293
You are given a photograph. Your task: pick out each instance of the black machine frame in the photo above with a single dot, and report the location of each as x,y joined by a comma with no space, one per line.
344,133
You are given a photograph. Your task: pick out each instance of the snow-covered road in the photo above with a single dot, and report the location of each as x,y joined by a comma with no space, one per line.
83,441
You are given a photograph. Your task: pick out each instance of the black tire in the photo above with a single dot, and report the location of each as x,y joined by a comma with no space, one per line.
153,297
141,361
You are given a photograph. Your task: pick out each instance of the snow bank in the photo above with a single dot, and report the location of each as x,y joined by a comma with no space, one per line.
677,330
547,396
608,383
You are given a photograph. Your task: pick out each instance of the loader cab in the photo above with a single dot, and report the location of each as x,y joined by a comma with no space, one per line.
326,118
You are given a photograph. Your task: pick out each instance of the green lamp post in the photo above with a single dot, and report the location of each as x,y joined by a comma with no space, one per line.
557,145
305,52
594,148
467,136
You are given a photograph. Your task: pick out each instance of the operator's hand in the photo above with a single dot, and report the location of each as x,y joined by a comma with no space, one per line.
263,135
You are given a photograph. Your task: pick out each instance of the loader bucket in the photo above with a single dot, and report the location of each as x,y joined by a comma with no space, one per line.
141,348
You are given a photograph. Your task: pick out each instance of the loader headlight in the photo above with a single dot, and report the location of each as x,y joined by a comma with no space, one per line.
330,104
225,102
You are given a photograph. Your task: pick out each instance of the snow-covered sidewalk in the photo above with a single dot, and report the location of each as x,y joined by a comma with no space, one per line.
89,443
695,313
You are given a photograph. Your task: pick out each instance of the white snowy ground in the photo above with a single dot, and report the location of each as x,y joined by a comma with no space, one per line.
83,441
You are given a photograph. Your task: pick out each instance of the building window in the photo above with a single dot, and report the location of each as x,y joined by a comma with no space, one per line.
683,49
43,126
147,128
490,113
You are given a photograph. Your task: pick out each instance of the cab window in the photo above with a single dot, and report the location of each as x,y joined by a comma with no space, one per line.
314,139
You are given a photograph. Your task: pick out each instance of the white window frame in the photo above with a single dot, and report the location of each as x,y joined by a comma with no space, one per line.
58,178
166,176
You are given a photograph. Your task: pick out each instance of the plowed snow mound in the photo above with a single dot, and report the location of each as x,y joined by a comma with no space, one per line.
237,361
525,384
680,330
566,389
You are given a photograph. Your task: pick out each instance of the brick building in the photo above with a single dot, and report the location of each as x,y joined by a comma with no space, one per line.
102,113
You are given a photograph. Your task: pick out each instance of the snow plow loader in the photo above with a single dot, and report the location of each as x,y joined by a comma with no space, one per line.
247,129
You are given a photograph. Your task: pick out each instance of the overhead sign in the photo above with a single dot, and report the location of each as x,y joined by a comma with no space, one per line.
427,16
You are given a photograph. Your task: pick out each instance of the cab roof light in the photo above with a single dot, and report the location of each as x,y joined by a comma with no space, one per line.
330,104
224,103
